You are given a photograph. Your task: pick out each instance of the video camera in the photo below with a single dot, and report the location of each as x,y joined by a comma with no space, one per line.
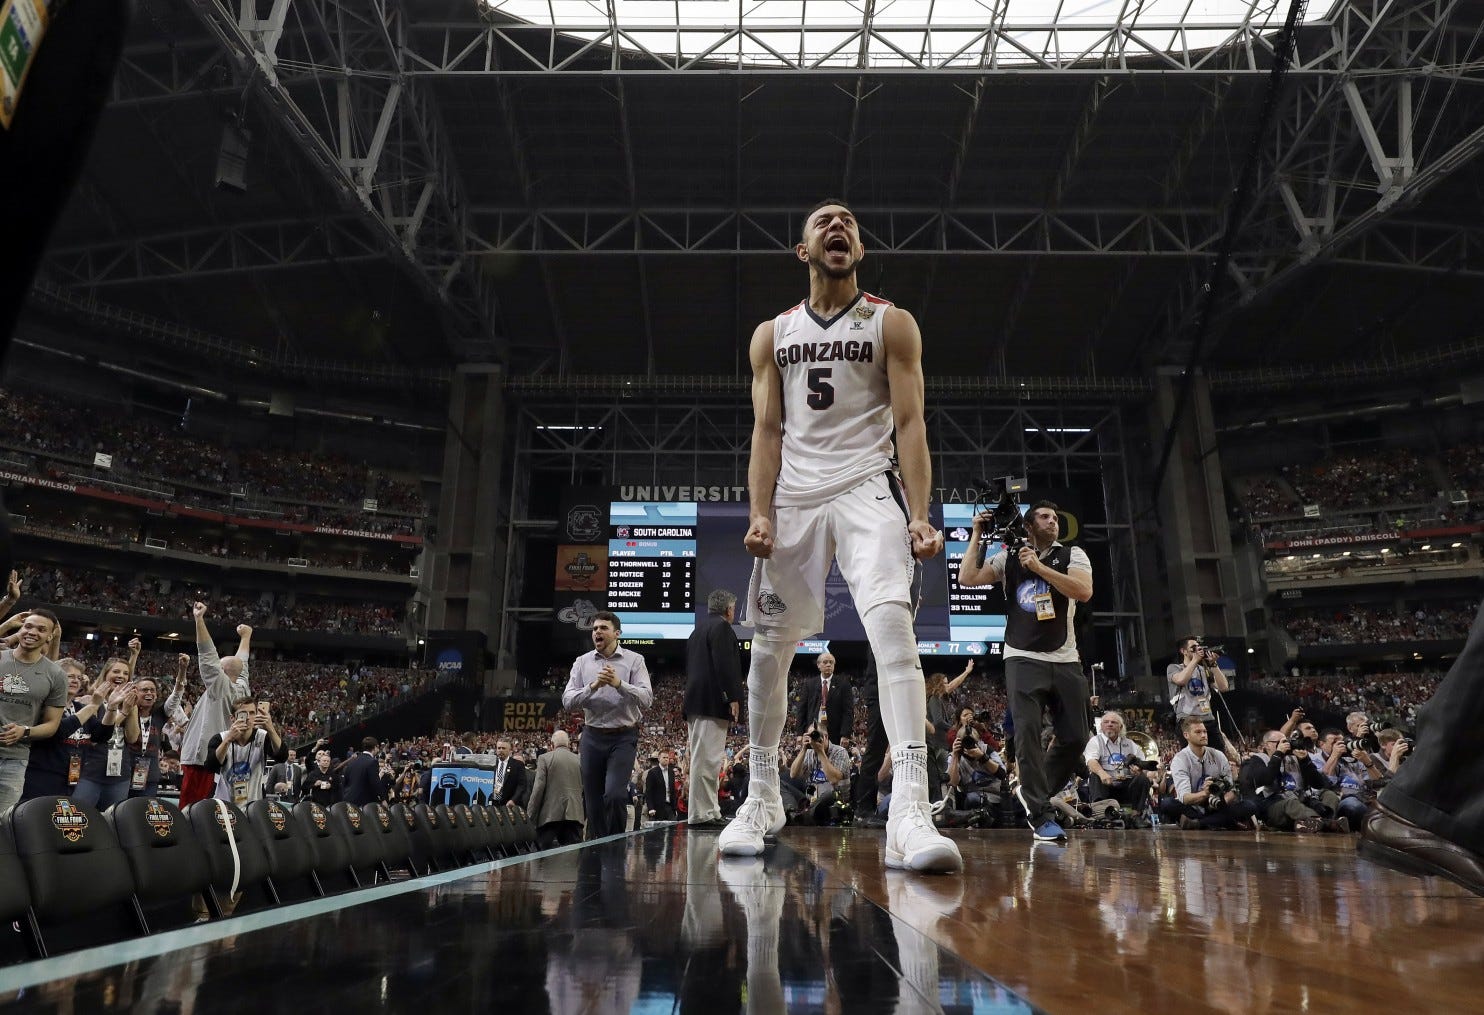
1007,524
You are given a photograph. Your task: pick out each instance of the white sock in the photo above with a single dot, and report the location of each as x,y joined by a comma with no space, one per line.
898,673
762,780
767,686
909,776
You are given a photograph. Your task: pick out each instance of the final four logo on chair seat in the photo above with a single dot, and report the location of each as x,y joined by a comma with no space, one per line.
385,817
354,817
411,819
158,819
317,815
277,818
230,819
68,820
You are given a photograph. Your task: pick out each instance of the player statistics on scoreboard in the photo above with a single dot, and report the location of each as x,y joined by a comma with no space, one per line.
652,568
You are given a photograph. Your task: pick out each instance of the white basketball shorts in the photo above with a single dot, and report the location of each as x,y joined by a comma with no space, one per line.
865,528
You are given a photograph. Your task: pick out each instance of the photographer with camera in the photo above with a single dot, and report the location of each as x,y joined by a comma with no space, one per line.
1043,581
1205,797
1395,749
1115,766
1276,778
1351,773
1361,740
1192,681
975,771
820,772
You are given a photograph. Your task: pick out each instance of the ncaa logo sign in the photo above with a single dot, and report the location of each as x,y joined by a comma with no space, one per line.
450,661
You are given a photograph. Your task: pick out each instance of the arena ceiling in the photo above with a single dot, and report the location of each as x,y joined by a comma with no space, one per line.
573,188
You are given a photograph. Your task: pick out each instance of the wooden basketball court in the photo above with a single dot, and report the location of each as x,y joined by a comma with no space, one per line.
1111,922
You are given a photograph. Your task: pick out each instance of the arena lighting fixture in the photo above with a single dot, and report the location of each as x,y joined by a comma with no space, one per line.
1427,546
1058,429
1316,556
1345,554
905,33
1289,557
1385,549
563,426
1457,545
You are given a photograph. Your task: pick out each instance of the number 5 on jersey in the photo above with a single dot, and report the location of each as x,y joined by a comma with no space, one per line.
821,391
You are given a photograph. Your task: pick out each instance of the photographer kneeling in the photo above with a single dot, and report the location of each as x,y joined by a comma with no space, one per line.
1205,797
976,774
818,776
1115,766
1276,778
1353,774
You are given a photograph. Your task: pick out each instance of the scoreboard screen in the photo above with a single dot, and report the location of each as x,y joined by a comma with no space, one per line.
978,613
652,568
654,562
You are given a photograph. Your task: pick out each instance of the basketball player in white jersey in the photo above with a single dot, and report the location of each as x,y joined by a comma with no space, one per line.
831,379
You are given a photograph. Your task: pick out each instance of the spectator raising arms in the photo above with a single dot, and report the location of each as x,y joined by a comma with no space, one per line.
226,684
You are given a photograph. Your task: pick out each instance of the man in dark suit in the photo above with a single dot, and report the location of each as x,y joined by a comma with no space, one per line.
661,786
839,701
556,795
287,780
510,777
362,784
713,696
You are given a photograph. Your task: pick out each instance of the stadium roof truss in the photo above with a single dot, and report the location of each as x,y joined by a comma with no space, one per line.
1382,106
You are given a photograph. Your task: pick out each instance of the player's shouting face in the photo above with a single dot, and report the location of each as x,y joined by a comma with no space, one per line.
832,242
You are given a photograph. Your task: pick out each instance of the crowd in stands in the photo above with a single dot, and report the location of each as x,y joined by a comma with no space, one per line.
1389,698
310,697
1390,476
343,618
1359,482
1464,463
145,448
1266,498
48,518
153,596
1429,621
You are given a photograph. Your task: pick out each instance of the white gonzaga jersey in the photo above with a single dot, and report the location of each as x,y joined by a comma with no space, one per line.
837,422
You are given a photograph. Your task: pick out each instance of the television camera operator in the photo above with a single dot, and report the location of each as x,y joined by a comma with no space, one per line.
1044,582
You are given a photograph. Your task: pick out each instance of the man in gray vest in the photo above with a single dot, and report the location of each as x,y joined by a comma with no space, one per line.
1044,581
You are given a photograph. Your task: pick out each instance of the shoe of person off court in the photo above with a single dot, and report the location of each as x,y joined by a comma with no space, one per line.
1049,831
754,821
913,842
